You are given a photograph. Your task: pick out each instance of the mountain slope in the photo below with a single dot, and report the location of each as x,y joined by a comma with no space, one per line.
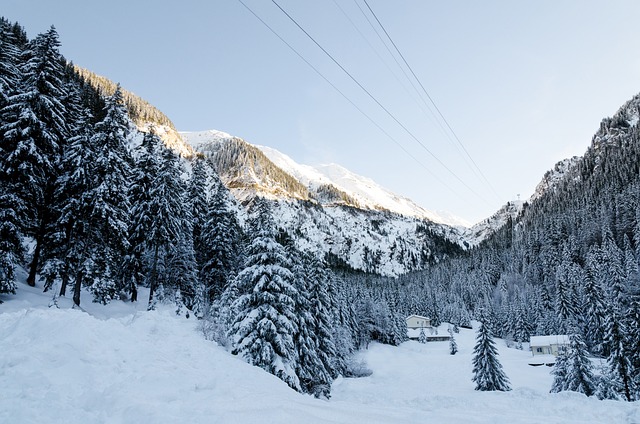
345,227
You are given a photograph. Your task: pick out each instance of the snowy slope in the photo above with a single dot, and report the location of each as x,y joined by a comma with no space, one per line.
485,228
367,193
116,364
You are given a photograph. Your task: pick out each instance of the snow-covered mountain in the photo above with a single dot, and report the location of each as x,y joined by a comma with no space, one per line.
363,192
346,218
368,193
485,228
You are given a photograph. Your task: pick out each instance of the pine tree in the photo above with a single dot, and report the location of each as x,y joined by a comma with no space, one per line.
618,361
573,370
422,337
168,210
33,130
262,332
68,239
594,308
144,173
487,370
453,346
110,209
220,236
10,241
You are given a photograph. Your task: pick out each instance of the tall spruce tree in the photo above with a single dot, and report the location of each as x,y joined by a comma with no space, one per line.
619,362
33,130
487,370
144,173
169,215
262,331
110,209
219,242
573,370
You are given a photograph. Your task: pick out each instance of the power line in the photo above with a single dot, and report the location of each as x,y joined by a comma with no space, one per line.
430,99
349,100
433,117
377,101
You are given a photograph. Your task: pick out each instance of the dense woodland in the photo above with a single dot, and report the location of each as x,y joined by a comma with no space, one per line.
89,201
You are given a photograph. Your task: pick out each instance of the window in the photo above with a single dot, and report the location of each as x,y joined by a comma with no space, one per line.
539,350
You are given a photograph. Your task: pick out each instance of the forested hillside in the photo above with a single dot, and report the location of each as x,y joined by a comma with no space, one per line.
566,264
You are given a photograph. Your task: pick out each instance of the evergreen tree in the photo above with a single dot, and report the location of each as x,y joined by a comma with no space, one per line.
169,216
110,211
573,370
594,308
219,242
68,239
422,337
33,130
10,241
144,173
618,361
453,346
262,331
487,370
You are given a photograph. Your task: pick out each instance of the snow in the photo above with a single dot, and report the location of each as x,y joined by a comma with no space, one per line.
549,340
120,364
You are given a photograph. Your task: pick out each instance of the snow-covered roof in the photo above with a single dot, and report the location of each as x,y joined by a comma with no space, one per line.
418,316
560,339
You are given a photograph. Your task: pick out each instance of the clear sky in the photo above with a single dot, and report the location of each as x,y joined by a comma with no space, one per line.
523,84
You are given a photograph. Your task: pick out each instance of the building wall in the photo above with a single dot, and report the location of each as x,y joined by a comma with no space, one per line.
417,322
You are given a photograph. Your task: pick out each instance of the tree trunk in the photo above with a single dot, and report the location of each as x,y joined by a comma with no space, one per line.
63,286
154,284
76,288
31,279
134,290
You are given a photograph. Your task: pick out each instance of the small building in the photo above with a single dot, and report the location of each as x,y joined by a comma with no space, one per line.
548,345
418,321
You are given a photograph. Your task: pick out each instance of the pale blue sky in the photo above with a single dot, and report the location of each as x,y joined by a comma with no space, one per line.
523,84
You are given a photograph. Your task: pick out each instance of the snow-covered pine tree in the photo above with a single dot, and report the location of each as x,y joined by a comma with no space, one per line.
32,132
110,208
68,240
422,337
573,370
198,194
262,332
144,172
220,242
594,307
181,266
559,372
320,305
453,346
10,241
169,212
487,370
619,364
314,376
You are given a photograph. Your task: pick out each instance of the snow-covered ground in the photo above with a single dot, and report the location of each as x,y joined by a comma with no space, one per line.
121,364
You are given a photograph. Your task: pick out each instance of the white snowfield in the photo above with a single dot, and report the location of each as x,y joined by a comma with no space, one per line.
116,364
